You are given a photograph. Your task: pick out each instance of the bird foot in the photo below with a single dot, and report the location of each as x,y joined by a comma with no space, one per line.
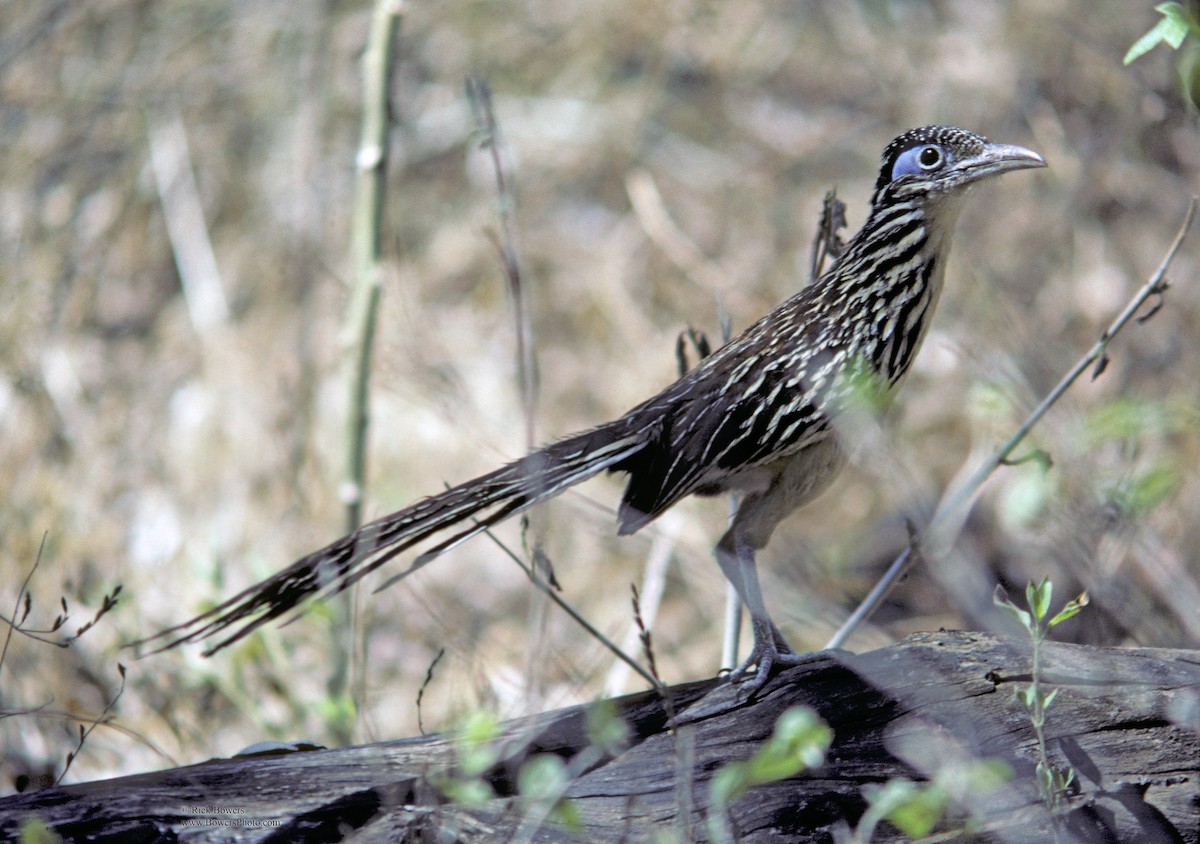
768,653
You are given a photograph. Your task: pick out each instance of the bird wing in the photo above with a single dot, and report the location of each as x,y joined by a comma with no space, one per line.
745,406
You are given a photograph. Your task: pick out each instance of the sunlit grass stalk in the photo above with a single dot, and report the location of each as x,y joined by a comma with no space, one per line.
362,314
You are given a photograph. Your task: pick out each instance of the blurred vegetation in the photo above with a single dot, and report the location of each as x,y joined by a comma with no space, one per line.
186,447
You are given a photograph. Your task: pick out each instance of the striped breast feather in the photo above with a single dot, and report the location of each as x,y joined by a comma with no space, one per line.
889,238
711,430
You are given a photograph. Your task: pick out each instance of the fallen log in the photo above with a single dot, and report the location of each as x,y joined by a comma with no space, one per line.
1125,721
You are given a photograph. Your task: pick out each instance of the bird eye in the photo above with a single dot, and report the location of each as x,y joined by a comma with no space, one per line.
918,161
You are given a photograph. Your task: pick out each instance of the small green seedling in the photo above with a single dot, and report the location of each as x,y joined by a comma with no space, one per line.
1053,784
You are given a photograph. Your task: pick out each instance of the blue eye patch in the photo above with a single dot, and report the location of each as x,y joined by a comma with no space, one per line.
922,159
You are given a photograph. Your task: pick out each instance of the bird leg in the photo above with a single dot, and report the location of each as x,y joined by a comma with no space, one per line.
736,558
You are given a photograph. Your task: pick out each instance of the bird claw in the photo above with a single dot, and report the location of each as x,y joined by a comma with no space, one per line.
770,651
754,671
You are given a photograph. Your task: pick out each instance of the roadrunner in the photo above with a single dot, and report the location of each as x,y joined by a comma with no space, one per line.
757,417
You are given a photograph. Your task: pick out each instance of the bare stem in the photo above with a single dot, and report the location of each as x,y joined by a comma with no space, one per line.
549,591
363,311
371,162
505,244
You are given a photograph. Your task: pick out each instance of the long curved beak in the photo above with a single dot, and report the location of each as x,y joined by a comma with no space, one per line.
998,158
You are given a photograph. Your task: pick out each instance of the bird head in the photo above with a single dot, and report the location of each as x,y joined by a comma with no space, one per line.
934,161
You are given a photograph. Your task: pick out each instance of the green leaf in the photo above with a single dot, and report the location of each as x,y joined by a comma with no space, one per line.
1045,778
866,391
729,783
606,731
1129,417
1147,42
566,812
1151,488
1038,595
1175,26
476,749
970,780
912,808
1064,782
918,816
1182,23
1072,609
1025,498
33,831
481,727
543,777
799,742
1000,599
472,792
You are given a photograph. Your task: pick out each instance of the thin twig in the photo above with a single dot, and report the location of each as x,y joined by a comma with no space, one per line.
24,606
681,745
421,691
85,732
654,576
942,529
540,582
505,243
22,593
681,741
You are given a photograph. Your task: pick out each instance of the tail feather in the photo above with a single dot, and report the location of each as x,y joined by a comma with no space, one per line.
505,492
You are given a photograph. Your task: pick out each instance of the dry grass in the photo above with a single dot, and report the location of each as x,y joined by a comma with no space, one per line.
185,461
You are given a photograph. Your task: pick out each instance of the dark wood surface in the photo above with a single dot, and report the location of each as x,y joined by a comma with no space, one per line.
1127,721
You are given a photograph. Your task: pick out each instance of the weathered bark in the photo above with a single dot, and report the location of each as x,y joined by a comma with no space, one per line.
1126,720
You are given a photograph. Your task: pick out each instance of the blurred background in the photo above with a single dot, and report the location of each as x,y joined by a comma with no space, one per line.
667,163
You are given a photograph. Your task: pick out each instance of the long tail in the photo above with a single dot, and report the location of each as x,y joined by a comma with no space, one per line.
478,504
